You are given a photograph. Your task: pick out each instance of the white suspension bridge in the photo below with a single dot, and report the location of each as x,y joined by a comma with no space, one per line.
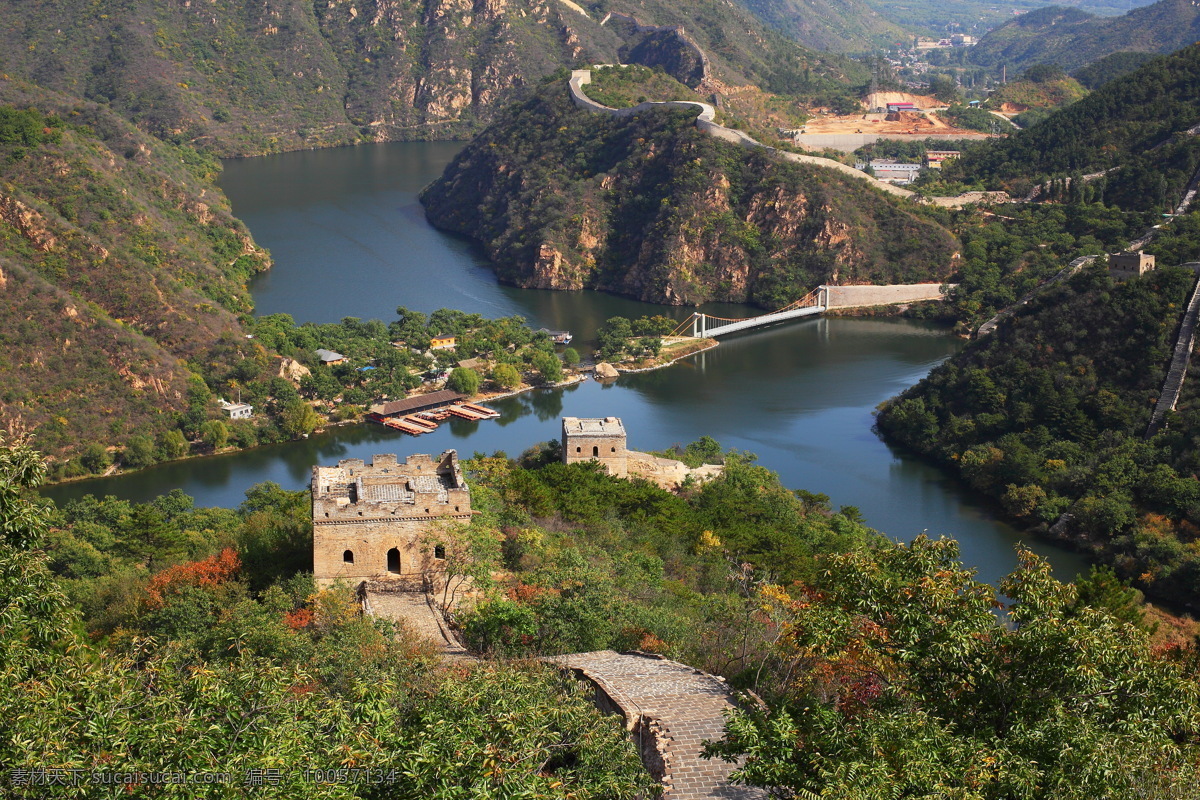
702,325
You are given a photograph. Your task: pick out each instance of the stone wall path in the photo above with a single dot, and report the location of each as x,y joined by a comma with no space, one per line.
674,705
1004,313
414,609
706,121
1177,371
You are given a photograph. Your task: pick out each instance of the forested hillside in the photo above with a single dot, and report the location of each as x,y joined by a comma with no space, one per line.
652,208
161,637
1072,38
241,79
1047,416
124,273
1135,127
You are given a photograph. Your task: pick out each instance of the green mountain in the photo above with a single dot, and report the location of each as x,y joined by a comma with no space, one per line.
238,78
844,26
1072,38
978,16
123,273
1135,127
648,206
1047,414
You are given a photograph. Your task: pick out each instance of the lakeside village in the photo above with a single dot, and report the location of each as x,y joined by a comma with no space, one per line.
422,370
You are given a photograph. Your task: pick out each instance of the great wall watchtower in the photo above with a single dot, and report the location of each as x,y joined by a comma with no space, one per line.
600,440
369,519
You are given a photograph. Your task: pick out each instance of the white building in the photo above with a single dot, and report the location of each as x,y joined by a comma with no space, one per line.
237,410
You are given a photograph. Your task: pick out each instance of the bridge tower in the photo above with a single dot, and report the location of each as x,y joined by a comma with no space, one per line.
699,327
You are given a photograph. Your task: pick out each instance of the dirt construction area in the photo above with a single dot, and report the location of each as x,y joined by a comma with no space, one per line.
850,131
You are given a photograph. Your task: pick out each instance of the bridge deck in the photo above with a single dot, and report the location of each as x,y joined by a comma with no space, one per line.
765,319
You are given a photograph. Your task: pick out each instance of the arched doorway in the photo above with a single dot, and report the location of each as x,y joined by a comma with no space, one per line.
393,561
348,557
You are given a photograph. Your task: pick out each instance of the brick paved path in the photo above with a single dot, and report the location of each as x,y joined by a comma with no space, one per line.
413,609
674,705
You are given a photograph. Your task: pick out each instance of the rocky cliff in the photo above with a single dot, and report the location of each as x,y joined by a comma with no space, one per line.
650,207
239,78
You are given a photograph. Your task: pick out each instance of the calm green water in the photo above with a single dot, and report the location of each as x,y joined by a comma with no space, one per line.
349,239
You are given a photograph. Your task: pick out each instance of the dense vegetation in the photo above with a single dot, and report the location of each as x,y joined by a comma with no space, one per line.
1134,126
1047,415
1098,73
651,207
207,652
904,684
131,631
1009,251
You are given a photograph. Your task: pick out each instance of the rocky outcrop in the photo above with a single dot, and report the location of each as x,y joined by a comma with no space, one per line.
665,46
29,223
643,204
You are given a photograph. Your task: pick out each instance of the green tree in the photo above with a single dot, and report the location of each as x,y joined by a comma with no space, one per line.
570,356
95,458
299,419
463,380
548,366
910,684
613,337
214,433
171,444
506,376
139,452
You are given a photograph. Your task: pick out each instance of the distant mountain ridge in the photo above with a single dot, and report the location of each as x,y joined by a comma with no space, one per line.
1072,38
977,16
843,26
244,78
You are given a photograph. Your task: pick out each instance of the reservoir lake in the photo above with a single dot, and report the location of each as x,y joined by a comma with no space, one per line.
350,239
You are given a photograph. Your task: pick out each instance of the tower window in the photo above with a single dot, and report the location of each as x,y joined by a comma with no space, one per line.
439,551
595,451
348,556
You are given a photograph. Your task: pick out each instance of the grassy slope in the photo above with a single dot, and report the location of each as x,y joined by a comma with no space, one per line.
1029,94
125,264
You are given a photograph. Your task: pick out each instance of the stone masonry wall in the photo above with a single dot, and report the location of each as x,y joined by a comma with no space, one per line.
363,512
852,296
670,710
608,447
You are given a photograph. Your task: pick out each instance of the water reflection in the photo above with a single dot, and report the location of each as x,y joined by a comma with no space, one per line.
350,240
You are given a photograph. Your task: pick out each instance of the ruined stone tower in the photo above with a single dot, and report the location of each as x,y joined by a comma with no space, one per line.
600,440
368,519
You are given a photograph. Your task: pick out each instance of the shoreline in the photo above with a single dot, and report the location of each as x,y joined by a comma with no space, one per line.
709,345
